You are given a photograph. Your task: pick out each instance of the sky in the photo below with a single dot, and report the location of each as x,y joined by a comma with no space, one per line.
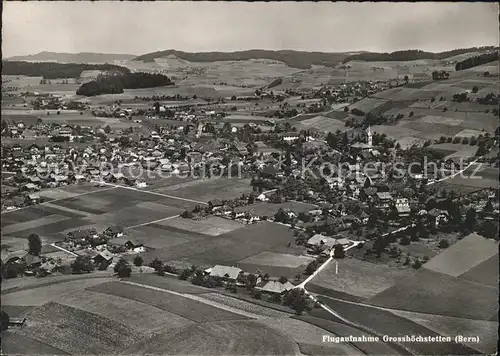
143,27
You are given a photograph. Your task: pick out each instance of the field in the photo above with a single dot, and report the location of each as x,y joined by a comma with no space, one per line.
127,318
45,294
359,278
366,105
382,322
136,314
450,326
15,343
321,123
176,304
341,329
442,295
85,207
212,226
208,189
484,273
158,237
463,256
227,248
76,331
67,117
218,338
276,263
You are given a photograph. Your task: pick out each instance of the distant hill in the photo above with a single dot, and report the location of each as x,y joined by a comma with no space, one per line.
51,70
295,59
83,57
411,55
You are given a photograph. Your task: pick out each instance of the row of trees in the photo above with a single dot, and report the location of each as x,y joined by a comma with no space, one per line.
114,84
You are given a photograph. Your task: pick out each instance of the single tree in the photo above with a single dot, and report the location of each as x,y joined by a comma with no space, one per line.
34,245
339,252
283,279
122,268
138,261
82,264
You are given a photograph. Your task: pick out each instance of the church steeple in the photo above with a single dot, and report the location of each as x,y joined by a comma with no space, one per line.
369,136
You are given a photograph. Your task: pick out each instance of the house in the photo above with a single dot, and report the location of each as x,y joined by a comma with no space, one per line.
321,240
13,257
438,217
50,266
104,257
30,187
225,272
129,244
274,287
114,231
32,261
403,206
290,136
78,235
215,204
79,178
384,199
32,199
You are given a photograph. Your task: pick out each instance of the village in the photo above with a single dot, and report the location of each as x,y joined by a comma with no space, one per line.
350,183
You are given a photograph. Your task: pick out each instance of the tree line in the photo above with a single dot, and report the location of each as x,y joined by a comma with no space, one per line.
411,55
52,70
115,84
477,61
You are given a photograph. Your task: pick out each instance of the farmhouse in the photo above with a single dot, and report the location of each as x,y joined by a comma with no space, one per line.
129,244
321,240
104,257
274,287
114,231
225,272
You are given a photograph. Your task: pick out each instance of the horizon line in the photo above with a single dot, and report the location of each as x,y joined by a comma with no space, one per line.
247,50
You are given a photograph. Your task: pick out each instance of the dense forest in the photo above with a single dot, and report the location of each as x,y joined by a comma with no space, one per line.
53,70
295,59
411,55
114,84
477,61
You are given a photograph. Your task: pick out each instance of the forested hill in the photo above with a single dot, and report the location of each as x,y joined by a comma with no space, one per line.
50,70
115,84
411,55
82,57
477,60
296,59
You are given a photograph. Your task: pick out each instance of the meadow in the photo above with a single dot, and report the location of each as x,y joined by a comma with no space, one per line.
442,295
359,278
463,256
